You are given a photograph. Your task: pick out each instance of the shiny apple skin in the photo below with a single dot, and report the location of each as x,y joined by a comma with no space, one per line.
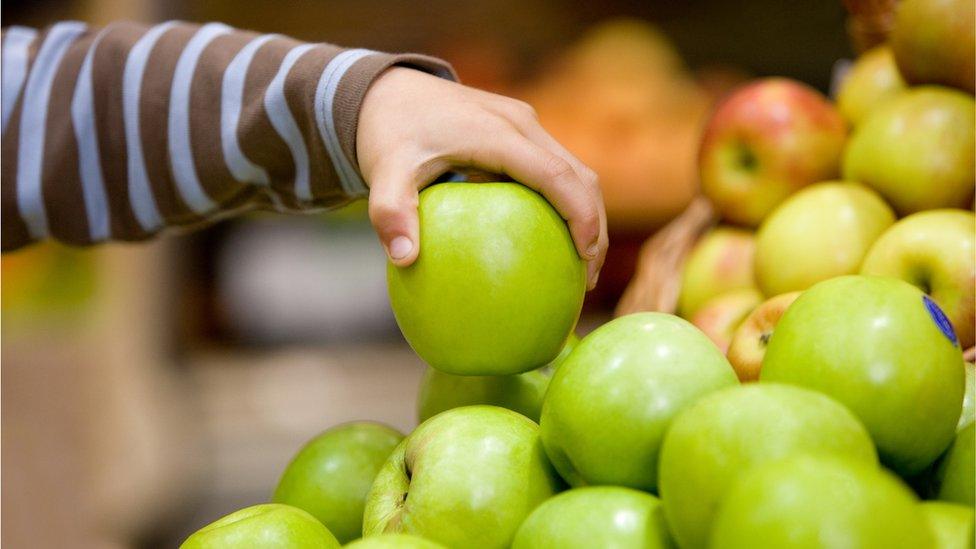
596,516
498,285
874,344
467,477
331,475
609,405
729,432
820,502
264,525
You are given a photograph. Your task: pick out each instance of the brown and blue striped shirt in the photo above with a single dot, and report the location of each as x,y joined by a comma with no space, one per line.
118,132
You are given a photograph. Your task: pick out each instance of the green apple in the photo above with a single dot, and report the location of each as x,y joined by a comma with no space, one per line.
719,317
265,525
521,393
609,405
720,262
596,516
331,475
820,502
394,541
917,150
885,350
764,142
467,477
498,285
955,475
951,524
969,398
872,79
728,432
935,251
934,42
820,232
748,346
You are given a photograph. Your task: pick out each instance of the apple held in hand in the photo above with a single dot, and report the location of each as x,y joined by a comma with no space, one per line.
720,316
917,150
465,478
394,541
520,393
951,524
767,140
935,251
720,262
331,475
729,432
957,469
934,42
873,79
885,350
609,405
596,516
498,285
751,338
265,525
820,232
820,502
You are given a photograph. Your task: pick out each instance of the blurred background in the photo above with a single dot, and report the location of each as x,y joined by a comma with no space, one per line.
149,389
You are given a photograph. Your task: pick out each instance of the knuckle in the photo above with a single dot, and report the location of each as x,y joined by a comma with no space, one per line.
524,110
557,169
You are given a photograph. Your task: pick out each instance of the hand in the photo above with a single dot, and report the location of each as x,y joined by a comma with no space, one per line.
413,127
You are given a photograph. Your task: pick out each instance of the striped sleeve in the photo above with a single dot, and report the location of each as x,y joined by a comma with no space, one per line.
119,132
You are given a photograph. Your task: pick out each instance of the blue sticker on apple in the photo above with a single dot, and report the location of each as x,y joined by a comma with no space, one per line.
940,319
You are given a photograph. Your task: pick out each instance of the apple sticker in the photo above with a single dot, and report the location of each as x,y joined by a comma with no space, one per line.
940,319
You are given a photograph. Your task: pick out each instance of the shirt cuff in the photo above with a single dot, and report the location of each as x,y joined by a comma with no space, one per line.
339,97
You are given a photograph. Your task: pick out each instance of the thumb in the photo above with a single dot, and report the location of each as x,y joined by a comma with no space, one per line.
393,213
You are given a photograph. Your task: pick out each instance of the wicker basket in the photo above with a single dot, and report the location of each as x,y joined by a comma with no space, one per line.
657,277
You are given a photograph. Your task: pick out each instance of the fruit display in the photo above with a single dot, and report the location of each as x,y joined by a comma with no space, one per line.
813,390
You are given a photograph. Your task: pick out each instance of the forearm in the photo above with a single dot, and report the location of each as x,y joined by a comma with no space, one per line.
117,133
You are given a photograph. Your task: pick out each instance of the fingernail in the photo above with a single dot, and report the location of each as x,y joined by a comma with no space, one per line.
400,247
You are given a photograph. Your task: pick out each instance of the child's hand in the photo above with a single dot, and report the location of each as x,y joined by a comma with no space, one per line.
413,127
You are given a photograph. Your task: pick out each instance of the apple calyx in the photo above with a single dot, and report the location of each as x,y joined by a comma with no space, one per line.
764,338
392,488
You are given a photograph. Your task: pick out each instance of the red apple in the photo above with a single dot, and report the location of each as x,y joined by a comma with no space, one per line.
764,142
749,342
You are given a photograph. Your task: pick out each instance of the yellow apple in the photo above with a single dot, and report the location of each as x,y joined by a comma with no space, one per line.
820,232
872,79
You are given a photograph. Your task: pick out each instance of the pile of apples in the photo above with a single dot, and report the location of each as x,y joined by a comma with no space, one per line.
815,394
